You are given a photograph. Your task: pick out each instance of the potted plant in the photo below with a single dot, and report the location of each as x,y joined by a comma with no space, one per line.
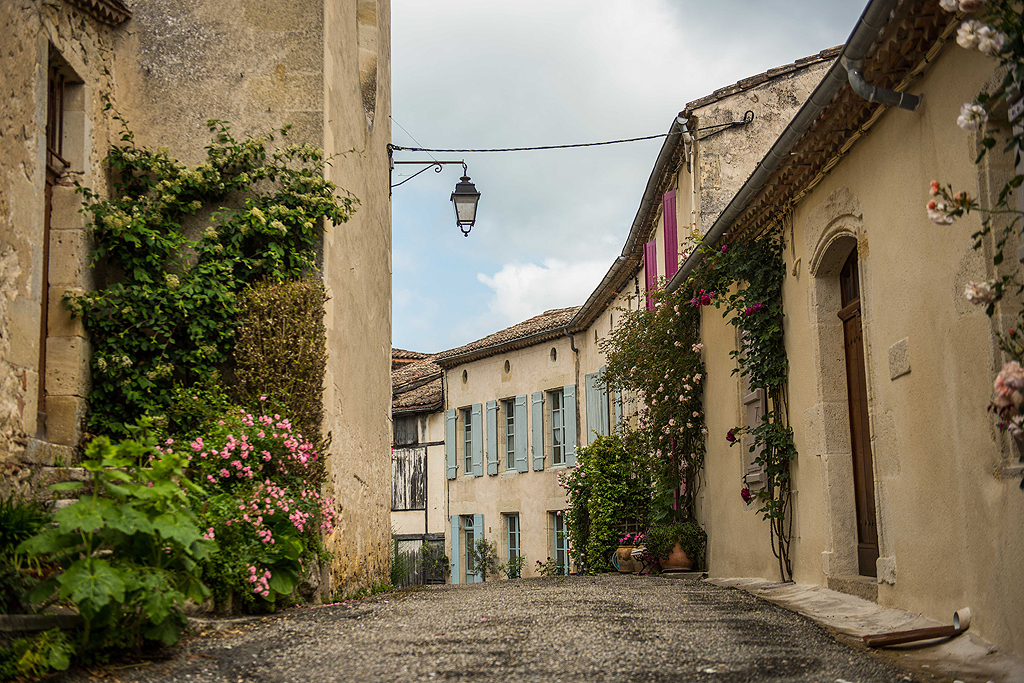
622,559
677,546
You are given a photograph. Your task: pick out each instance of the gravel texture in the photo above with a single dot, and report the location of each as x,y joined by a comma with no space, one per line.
603,628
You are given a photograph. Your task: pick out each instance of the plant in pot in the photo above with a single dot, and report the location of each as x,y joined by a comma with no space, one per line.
678,546
622,559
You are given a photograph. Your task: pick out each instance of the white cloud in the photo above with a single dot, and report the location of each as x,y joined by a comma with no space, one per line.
523,290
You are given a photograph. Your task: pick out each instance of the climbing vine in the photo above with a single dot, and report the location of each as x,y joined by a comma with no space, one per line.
995,29
177,245
655,354
745,281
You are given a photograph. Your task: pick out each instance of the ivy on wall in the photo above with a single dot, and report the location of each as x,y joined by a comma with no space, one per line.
745,280
178,245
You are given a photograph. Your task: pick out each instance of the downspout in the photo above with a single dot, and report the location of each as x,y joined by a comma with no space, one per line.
871,93
576,376
865,33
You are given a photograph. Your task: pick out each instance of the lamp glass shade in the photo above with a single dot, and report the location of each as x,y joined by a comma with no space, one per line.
465,198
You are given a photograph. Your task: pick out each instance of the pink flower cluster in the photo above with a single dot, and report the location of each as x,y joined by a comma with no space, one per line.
756,308
704,298
636,539
262,581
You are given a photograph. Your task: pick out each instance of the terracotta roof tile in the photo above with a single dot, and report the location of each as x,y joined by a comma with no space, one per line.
526,333
416,387
751,81
411,355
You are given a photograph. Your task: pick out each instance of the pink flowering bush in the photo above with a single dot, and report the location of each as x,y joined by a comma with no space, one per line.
264,507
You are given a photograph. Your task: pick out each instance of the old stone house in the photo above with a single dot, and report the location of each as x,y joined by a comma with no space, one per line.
519,401
322,66
904,491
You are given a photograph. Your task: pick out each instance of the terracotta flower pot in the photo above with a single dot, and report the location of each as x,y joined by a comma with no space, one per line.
677,561
623,561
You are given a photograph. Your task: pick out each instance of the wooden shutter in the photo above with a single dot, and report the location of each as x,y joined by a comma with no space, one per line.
650,270
754,409
477,435
455,549
593,418
602,398
618,408
450,444
409,479
522,458
668,221
569,411
492,437
478,535
537,416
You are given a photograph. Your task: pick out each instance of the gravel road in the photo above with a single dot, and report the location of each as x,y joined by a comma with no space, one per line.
603,628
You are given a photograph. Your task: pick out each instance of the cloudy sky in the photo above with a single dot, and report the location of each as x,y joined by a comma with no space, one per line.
515,73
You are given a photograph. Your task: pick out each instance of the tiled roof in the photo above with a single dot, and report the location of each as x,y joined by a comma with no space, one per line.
111,12
402,354
537,329
826,55
909,42
416,387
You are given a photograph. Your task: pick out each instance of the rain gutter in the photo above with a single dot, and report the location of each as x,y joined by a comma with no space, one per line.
869,27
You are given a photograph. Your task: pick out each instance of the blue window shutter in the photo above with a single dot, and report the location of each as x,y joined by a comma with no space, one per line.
478,535
449,444
593,416
492,437
569,401
477,433
522,458
537,400
618,408
602,397
455,549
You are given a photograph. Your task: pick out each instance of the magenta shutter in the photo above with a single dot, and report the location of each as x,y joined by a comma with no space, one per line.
650,270
668,212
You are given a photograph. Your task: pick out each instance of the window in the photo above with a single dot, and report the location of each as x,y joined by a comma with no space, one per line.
406,431
467,439
512,526
754,409
561,543
470,544
509,406
557,427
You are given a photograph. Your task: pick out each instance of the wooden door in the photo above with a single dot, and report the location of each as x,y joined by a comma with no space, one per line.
860,435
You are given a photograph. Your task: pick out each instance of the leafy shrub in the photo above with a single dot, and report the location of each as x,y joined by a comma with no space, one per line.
262,506
171,308
37,656
551,567
484,558
281,350
19,521
434,562
662,538
129,556
610,485
513,569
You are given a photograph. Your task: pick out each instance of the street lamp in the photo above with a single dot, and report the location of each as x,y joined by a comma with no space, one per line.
465,197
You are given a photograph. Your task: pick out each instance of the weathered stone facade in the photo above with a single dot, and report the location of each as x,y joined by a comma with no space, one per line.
321,66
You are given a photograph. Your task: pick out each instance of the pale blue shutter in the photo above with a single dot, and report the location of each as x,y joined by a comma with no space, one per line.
569,402
477,434
492,437
449,444
455,549
602,397
537,415
593,416
478,535
522,459
618,408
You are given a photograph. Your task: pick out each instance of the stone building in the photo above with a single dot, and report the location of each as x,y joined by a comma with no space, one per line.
322,66
904,491
519,401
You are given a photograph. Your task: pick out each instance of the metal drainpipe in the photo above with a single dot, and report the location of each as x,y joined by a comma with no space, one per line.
872,93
